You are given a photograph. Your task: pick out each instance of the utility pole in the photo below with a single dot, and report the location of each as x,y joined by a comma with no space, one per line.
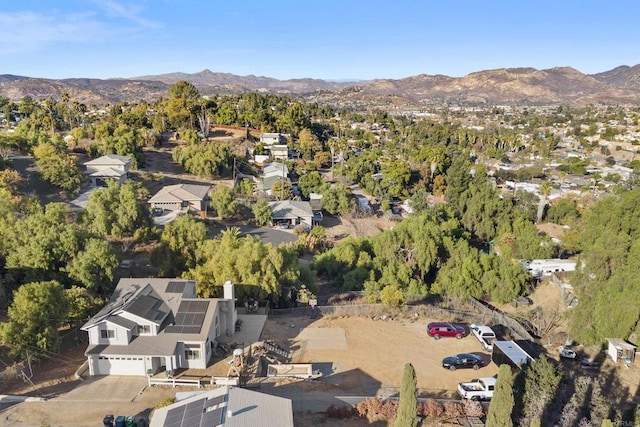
282,183
234,171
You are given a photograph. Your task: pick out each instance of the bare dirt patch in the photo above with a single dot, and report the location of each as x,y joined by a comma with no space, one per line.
376,353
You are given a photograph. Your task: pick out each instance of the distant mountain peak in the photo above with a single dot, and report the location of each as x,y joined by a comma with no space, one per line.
521,85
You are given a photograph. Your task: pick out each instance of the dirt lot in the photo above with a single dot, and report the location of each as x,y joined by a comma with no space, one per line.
371,359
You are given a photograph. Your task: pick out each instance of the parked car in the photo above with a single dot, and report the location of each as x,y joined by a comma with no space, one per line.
480,389
567,352
442,329
463,360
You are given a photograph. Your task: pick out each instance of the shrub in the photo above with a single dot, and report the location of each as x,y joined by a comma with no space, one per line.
430,408
473,408
340,412
369,408
166,402
454,410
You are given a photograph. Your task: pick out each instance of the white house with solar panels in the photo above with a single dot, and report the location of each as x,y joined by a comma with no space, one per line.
228,407
151,325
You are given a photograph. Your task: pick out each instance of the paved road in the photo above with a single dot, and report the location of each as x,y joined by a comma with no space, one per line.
274,236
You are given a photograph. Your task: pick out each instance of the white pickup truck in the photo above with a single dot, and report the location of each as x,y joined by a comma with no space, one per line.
480,389
485,335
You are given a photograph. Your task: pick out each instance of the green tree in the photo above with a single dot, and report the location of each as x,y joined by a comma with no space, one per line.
391,296
408,406
503,401
94,266
309,144
223,201
336,200
541,383
179,244
282,189
57,167
246,187
118,211
246,261
181,105
81,304
311,182
262,212
34,315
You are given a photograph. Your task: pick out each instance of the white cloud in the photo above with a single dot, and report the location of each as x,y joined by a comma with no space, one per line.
130,12
29,31
26,31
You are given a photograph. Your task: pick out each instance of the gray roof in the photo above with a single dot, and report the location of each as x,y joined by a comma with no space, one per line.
180,193
121,321
143,345
159,301
110,159
290,209
229,407
108,172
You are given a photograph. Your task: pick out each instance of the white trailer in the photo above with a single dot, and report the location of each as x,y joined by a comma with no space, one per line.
546,267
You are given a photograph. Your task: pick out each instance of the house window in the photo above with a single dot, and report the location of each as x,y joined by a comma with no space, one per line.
144,329
107,333
191,351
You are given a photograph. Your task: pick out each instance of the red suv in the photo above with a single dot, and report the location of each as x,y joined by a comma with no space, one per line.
442,329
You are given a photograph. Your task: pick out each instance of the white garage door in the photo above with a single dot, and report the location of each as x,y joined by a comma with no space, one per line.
120,365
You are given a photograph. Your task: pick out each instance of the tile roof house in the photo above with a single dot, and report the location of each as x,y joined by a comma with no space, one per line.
151,325
182,197
292,212
226,406
111,166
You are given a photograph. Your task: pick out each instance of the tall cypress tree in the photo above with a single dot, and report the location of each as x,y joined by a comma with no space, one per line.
502,403
408,407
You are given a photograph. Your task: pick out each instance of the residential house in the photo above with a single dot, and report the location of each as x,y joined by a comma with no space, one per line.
228,407
182,197
277,169
292,213
267,183
272,139
150,325
278,152
107,167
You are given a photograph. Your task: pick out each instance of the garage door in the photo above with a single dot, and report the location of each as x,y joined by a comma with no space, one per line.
120,365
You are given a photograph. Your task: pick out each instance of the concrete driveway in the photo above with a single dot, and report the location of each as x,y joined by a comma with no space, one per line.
110,388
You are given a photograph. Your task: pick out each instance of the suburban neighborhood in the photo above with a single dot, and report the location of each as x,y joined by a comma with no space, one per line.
212,249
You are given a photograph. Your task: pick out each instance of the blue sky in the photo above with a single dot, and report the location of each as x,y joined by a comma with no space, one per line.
328,39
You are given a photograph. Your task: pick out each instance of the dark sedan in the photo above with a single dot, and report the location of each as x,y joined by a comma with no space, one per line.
463,361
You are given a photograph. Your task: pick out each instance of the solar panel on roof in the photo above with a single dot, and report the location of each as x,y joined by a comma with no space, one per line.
191,329
198,319
180,318
215,401
183,306
175,287
200,306
188,319
212,418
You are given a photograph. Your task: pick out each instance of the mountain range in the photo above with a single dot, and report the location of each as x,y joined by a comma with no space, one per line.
523,86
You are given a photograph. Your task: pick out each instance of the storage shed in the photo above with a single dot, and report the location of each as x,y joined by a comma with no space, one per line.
621,351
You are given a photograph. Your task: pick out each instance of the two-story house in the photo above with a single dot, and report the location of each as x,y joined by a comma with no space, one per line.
107,167
150,325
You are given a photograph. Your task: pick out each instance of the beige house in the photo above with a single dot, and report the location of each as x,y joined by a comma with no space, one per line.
182,198
107,167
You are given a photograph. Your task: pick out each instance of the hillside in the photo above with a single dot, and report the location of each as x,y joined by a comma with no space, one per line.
559,85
